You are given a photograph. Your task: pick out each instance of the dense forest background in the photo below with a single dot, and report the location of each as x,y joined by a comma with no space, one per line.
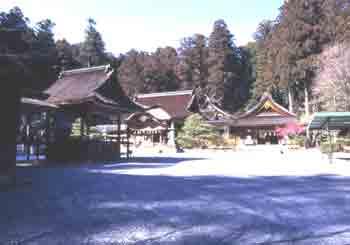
301,58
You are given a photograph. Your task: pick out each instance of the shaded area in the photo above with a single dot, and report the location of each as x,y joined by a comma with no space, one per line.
79,205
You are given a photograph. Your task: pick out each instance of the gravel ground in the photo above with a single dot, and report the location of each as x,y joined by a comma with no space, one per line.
256,196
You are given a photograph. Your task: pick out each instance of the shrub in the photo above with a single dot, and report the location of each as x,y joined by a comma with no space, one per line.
297,140
327,147
197,134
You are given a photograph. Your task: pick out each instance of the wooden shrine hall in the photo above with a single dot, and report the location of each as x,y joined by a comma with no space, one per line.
258,125
85,98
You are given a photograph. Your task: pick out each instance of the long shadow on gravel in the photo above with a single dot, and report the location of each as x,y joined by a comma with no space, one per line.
77,205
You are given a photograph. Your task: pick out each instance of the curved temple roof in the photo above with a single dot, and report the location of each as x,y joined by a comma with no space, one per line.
266,112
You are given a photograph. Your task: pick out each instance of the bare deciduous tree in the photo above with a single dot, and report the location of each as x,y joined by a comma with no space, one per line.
332,81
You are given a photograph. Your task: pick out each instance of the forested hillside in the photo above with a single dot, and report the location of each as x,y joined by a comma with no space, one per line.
287,58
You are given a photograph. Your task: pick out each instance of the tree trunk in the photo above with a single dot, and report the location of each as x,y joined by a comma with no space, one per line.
290,100
307,112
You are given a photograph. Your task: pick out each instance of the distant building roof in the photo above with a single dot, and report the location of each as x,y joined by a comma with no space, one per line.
174,103
95,84
265,113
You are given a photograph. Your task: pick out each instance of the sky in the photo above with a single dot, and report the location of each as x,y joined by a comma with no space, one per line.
147,24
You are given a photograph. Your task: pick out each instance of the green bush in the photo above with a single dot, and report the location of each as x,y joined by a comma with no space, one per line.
197,134
297,140
327,147
343,141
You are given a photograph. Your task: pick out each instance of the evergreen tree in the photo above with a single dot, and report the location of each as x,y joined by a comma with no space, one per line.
15,37
196,133
193,56
264,81
130,73
92,51
297,37
164,64
248,72
66,58
223,67
45,57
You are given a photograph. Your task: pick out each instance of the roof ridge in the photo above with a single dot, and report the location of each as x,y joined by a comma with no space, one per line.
86,69
167,93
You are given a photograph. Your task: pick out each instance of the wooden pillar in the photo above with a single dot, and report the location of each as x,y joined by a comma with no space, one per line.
172,134
89,150
48,132
87,121
290,99
82,126
330,155
28,142
127,142
119,134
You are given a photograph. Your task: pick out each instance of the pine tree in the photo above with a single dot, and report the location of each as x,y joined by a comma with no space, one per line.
93,48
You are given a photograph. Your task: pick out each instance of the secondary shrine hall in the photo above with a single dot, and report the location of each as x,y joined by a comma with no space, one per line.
257,125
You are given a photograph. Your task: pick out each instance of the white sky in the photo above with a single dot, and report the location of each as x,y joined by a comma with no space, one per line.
147,24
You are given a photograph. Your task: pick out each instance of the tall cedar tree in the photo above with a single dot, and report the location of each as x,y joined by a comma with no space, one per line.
264,81
248,72
223,68
130,73
45,57
192,66
162,76
66,58
299,35
141,72
93,48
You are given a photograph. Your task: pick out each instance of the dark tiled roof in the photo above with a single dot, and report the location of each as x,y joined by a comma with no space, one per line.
175,103
90,84
77,84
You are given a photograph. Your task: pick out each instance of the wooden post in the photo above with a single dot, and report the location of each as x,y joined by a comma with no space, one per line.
290,99
87,121
81,126
48,133
89,152
330,155
28,137
127,142
119,134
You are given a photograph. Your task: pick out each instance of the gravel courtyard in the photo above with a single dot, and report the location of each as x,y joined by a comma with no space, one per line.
249,197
